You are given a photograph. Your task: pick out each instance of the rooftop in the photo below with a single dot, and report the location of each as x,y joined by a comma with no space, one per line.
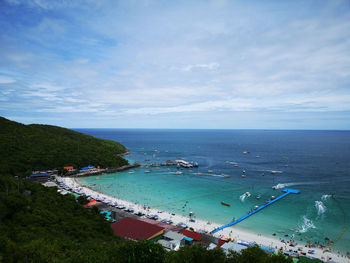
136,229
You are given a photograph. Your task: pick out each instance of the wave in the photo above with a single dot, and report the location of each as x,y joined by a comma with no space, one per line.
216,175
280,186
306,225
321,208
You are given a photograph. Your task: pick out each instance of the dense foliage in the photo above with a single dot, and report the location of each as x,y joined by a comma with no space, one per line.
24,148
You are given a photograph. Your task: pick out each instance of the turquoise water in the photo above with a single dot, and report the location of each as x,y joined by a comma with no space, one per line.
314,162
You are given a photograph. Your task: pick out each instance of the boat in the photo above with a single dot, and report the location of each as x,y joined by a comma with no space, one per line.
258,197
243,174
275,172
223,203
225,175
147,171
185,164
210,171
178,172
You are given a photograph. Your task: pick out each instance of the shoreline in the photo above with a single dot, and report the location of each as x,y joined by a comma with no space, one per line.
207,226
107,170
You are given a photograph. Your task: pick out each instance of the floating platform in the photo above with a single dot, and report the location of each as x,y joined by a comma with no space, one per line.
286,191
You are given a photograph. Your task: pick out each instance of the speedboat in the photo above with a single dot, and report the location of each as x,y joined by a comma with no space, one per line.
223,203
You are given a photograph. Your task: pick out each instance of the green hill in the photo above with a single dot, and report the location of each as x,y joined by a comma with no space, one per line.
24,148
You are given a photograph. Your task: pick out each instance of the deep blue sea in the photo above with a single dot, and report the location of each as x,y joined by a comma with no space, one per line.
315,162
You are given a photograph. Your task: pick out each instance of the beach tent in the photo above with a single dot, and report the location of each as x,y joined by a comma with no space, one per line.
74,194
92,202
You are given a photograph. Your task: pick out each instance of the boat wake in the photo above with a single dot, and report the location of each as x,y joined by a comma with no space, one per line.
280,186
244,196
320,207
306,225
275,172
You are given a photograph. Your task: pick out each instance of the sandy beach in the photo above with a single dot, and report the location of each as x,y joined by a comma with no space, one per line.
202,225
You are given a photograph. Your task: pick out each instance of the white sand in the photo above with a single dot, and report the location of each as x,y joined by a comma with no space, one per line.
231,232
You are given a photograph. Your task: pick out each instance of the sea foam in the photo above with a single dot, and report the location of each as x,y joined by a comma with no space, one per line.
244,196
306,225
325,197
320,207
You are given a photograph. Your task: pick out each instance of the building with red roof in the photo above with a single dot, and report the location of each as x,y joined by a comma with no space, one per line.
165,226
135,229
194,235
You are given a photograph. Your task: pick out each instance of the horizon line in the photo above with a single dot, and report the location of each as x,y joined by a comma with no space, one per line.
217,129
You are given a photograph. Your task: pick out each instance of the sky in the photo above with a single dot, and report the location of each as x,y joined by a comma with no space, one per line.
176,64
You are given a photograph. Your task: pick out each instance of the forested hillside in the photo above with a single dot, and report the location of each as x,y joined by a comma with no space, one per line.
24,148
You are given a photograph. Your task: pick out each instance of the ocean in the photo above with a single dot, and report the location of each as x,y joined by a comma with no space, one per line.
315,162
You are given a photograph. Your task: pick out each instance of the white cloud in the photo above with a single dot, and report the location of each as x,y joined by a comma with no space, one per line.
210,66
6,80
148,58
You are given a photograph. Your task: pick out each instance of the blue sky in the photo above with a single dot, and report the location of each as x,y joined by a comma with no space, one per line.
176,64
